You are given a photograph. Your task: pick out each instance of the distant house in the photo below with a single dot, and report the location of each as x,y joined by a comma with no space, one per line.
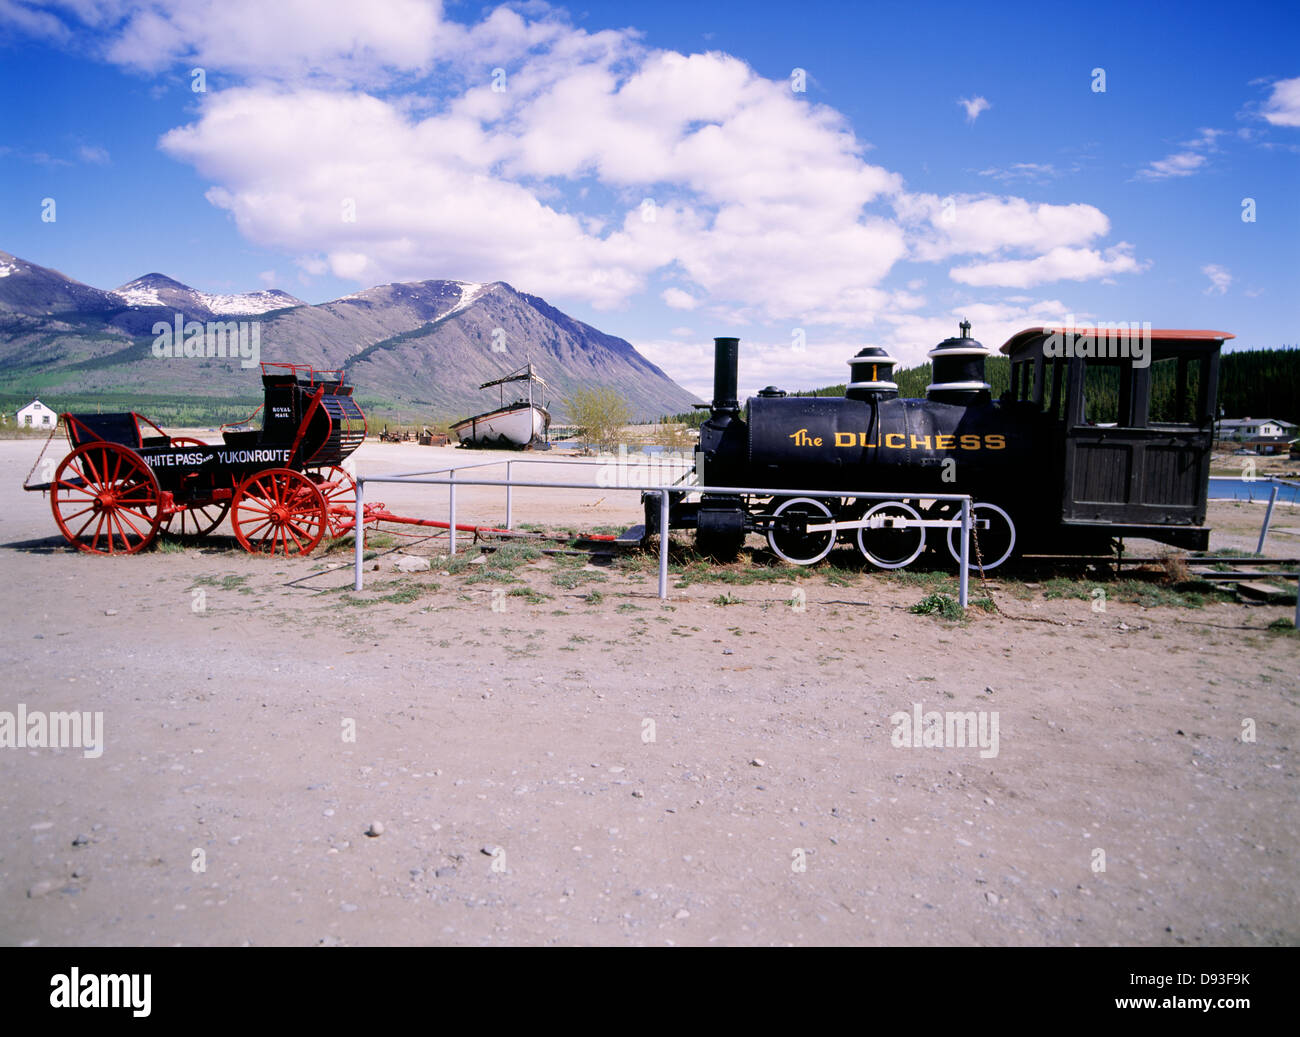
1241,429
36,415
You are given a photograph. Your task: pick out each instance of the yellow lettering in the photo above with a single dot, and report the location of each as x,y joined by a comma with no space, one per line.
995,441
844,438
890,437
817,441
945,442
922,443
970,442
862,440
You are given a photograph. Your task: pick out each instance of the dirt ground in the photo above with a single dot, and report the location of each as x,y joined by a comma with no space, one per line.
557,757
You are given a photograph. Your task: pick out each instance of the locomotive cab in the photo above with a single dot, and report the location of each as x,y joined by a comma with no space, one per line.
1132,418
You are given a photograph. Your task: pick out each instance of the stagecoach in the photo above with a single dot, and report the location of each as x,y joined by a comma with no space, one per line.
282,486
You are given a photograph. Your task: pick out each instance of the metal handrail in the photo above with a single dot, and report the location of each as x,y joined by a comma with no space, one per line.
665,494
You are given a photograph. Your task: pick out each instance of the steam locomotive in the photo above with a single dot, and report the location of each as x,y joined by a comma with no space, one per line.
1047,472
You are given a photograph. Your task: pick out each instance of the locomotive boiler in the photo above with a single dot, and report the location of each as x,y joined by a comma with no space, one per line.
1048,474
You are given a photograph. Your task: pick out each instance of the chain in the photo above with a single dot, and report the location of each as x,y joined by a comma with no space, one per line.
979,564
984,583
28,477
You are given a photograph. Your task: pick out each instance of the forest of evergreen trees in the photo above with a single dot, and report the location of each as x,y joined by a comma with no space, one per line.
1258,383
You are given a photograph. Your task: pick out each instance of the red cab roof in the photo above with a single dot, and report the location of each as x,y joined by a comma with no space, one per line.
1162,334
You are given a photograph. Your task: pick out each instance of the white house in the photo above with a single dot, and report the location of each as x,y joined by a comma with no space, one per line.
36,415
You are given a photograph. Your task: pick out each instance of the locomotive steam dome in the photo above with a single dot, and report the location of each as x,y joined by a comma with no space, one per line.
958,370
871,375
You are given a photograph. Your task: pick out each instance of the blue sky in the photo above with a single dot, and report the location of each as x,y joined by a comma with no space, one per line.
664,172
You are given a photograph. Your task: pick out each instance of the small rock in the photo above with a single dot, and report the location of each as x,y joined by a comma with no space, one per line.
683,913
728,651
480,560
110,612
487,851
347,907
638,794
40,889
376,829
756,762
988,690
411,564
81,840
991,897
444,873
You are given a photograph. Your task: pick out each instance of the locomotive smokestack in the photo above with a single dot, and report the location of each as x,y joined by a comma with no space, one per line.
726,362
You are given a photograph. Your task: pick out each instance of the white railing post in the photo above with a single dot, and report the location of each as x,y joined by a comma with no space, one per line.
510,501
663,544
1268,515
358,535
451,509
963,590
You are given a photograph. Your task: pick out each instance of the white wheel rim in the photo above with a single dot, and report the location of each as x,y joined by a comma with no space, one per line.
830,535
954,548
912,513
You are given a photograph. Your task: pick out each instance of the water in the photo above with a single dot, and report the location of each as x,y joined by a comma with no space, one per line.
1260,489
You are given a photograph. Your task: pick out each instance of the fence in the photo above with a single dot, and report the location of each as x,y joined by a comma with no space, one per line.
663,492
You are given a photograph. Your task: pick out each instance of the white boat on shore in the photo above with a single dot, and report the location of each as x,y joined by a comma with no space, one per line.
516,425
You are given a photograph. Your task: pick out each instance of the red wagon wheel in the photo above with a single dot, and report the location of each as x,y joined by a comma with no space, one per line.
278,511
340,492
106,499
196,520
186,441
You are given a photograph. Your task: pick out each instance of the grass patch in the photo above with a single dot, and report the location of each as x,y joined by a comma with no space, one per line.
594,598
531,596
939,604
726,599
225,583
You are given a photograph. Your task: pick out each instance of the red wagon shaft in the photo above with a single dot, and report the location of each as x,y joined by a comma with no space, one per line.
126,479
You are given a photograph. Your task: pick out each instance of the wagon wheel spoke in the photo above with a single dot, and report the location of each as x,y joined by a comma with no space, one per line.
106,500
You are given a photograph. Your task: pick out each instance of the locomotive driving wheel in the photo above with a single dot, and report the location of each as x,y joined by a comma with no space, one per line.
789,536
891,544
278,511
340,492
106,499
996,539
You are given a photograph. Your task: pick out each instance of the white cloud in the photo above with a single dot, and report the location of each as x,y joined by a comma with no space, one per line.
1283,106
1182,163
680,300
762,206
988,224
1219,277
93,154
973,106
1058,264
1035,172
22,16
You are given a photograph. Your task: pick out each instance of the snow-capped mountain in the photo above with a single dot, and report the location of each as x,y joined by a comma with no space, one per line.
160,290
424,346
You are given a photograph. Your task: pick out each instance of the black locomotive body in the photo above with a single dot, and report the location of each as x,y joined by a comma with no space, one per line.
1046,476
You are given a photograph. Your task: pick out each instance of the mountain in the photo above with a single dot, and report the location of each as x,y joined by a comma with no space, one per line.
159,290
421,348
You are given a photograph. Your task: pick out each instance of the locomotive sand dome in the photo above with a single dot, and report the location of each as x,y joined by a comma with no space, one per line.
1047,476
